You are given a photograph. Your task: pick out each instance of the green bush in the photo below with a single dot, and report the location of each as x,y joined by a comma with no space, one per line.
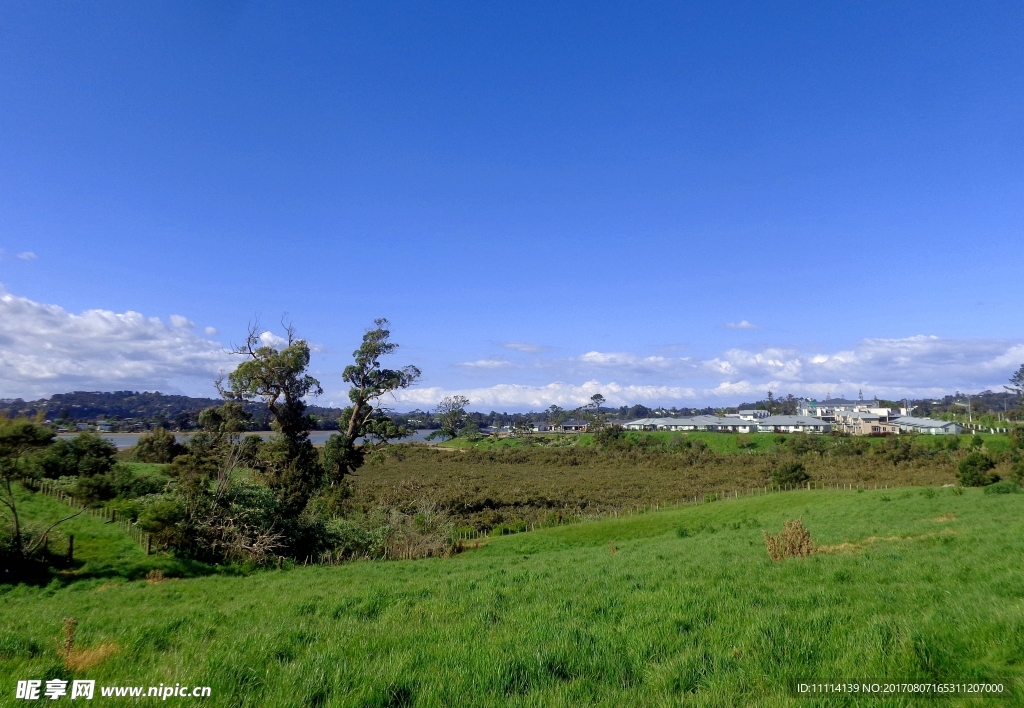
1005,487
159,446
790,473
1017,470
609,436
86,454
974,470
745,441
1017,438
801,444
120,482
470,431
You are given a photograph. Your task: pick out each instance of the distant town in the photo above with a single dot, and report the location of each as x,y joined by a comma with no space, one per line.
988,411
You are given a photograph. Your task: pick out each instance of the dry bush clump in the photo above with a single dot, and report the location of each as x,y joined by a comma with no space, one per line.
81,659
793,541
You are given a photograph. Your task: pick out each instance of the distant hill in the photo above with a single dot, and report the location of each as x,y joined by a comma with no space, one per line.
128,409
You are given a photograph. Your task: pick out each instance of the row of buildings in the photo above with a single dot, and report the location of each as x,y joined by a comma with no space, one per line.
854,417
853,424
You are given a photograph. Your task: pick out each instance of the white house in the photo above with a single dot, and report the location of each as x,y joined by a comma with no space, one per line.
831,407
793,424
728,424
927,426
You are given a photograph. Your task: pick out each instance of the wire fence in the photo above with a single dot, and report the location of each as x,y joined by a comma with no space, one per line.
984,428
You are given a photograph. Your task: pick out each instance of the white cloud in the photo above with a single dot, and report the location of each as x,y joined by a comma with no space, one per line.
45,350
919,366
519,397
527,347
625,360
269,339
27,256
181,322
486,364
742,324
210,331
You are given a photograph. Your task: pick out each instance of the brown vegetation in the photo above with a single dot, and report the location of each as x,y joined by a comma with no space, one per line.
851,547
485,489
81,659
794,541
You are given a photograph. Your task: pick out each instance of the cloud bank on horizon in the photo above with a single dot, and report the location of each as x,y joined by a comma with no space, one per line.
45,349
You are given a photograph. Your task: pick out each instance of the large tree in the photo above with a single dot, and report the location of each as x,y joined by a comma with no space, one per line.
451,416
1017,382
279,377
367,418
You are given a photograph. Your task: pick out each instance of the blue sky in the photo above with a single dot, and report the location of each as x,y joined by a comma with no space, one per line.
667,203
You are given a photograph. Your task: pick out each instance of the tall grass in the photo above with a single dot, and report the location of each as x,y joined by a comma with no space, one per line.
918,587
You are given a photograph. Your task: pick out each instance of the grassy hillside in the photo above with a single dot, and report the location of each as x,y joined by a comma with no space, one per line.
101,550
667,608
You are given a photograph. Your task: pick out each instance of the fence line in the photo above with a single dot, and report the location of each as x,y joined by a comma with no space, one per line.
110,516
984,428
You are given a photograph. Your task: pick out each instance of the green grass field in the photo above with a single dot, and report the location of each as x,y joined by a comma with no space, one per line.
669,608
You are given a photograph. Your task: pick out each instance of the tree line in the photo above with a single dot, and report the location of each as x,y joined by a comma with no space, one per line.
227,496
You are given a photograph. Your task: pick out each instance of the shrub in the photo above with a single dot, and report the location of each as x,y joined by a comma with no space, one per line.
793,541
801,444
159,446
1018,471
1017,438
790,473
973,470
86,454
609,436
852,446
1005,487
470,431
897,450
745,441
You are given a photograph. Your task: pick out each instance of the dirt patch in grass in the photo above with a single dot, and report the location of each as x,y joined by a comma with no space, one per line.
848,547
944,518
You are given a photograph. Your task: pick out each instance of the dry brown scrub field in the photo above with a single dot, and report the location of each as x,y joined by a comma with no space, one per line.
485,488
